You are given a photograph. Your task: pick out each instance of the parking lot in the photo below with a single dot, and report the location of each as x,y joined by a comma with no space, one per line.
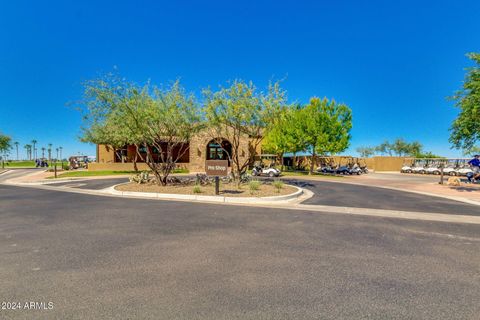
177,260
352,194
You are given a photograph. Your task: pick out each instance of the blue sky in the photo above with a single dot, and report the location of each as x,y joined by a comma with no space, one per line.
393,62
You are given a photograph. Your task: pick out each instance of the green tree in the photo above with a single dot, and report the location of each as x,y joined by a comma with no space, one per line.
326,126
366,152
384,148
427,154
159,122
284,136
105,120
399,148
165,123
474,150
241,112
465,130
415,148
5,143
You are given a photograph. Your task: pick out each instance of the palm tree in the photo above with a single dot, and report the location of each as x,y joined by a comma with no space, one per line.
34,142
16,143
43,152
49,152
60,148
28,147
56,149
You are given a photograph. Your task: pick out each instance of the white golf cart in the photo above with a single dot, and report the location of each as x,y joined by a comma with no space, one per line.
419,166
407,166
265,166
451,167
434,166
464,168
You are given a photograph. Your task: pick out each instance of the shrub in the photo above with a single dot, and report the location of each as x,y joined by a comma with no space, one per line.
254,185
197,189
278,184
142,177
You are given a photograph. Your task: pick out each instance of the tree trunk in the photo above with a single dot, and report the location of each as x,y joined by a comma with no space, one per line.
312,162
135,160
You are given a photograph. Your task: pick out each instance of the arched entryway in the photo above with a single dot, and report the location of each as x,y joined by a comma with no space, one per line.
218,151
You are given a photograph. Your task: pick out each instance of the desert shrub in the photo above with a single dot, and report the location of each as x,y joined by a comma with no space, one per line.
254,185
197,189
278,184
142,177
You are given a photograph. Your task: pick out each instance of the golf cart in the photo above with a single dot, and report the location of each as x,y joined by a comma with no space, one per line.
355,167
78,162
349,167
419,166
362,163
433,166
327,165
259,169
265,166
464,168
407,166
451,168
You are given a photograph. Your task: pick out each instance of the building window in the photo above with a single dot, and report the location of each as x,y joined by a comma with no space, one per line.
216,151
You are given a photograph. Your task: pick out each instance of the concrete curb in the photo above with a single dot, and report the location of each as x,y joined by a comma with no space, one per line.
170,196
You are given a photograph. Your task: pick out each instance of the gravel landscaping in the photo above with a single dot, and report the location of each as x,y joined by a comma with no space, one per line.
226,190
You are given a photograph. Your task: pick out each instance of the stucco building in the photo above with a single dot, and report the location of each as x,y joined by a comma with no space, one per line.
201,147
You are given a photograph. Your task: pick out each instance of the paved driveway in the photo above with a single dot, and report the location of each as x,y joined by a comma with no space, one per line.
92,184
112,258
359,196
340,194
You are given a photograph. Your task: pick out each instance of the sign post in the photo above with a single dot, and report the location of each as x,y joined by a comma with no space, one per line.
216,168
441,173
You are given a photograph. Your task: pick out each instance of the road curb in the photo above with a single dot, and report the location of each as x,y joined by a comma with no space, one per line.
222,199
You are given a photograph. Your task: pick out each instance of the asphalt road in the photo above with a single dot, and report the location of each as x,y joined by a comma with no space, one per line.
343,195
113,258
93,184
359,196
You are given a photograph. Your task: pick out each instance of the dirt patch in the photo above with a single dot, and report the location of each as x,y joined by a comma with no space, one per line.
227,190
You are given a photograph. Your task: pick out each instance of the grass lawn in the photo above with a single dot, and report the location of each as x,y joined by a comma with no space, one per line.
84,173
25,164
